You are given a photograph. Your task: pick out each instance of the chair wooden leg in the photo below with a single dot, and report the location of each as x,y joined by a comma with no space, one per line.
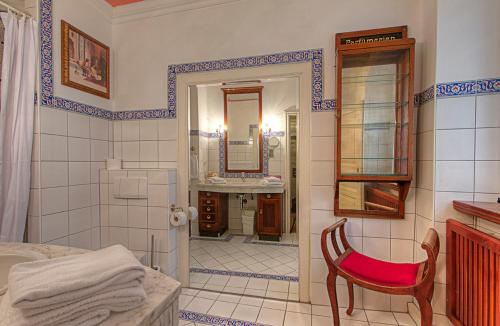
351,297
425,310
331,282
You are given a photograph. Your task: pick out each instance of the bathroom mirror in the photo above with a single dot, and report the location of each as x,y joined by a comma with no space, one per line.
369,198
242,135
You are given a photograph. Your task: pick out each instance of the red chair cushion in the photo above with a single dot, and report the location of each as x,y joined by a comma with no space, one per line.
379,272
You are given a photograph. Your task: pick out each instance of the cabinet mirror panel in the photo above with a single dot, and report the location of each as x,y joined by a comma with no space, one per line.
370,197
243,137
374,114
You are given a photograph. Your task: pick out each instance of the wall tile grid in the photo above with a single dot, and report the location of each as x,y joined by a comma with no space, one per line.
460,173
467,167
132,222
390,240
273,165
69,149
146,143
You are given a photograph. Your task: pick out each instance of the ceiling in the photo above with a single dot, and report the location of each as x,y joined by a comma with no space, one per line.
116,3
120,11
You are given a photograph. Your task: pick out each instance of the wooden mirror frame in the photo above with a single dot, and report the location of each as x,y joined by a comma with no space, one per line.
385,39
243,90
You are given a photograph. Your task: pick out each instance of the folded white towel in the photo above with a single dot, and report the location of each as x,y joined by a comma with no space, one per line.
46,283
271,181
216,180
90,311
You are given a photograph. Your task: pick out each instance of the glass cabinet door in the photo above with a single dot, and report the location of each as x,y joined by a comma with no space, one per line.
374,112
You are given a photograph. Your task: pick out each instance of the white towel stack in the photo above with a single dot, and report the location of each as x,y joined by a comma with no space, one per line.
73,290
272,181
216,180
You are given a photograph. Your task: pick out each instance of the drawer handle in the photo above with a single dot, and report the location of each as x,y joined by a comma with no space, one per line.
209,202
209,226
208,194
268,196
208,209
208,217
260,211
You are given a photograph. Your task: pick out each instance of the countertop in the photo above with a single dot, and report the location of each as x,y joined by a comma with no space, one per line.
247,187
161,290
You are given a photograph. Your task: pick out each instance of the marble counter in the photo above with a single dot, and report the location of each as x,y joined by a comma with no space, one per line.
160,309
246,188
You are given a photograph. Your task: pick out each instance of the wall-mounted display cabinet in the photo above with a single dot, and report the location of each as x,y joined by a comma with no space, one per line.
374,111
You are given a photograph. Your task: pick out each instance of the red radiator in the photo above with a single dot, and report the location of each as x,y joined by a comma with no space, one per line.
472,276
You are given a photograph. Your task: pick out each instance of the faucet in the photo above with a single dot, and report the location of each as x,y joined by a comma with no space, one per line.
243,176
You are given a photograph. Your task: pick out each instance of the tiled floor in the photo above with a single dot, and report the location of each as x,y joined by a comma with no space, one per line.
286,239
213,308
236,255
278,289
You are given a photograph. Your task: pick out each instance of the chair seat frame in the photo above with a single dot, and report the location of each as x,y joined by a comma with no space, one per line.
422,290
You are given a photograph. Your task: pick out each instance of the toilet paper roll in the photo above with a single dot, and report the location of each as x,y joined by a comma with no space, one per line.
114,164
178,218
193,213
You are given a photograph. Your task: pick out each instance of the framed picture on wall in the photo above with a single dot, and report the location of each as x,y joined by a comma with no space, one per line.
84,62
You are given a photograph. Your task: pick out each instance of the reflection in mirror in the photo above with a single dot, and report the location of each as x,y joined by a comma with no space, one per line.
374,121
369,196
243,139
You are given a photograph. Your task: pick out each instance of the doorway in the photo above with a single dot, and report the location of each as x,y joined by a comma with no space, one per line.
302,73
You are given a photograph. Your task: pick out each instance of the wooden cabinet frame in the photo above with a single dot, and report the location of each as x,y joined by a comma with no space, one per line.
379,41
243,90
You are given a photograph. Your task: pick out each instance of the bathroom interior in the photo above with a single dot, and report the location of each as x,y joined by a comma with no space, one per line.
243,150
202,162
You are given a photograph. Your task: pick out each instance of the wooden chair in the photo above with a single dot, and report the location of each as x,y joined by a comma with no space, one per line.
402,279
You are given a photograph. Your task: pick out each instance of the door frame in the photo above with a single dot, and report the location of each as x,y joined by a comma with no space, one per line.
288,171
303,71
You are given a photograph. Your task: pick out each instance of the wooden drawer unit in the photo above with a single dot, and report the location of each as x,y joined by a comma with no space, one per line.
269,216
213,208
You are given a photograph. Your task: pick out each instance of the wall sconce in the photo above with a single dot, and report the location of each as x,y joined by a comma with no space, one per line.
268,129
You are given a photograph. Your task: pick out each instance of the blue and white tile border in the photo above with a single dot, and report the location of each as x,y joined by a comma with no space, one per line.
265,160
47,71
468,87
226,238
222,161
315,56
197,317
251,240
244,274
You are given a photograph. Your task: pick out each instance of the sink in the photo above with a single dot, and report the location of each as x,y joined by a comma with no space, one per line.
9,259
250,185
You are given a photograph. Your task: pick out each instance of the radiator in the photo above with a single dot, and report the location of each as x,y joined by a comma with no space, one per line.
472,276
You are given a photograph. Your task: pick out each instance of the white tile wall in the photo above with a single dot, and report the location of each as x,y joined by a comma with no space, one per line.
384,239
467,167
147,144
68,149
132,222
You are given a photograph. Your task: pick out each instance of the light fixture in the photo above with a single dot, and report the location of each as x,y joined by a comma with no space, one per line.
268,129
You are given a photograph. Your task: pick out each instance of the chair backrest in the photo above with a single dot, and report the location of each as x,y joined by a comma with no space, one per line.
332,230
431,245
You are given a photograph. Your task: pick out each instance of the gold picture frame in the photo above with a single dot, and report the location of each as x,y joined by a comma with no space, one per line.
84,62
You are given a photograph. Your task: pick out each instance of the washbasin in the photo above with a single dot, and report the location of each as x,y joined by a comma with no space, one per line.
9,259
250,182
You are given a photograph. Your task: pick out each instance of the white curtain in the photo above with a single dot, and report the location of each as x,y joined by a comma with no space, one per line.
17,100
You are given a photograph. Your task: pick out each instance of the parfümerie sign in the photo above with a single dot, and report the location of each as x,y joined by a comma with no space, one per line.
371,38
